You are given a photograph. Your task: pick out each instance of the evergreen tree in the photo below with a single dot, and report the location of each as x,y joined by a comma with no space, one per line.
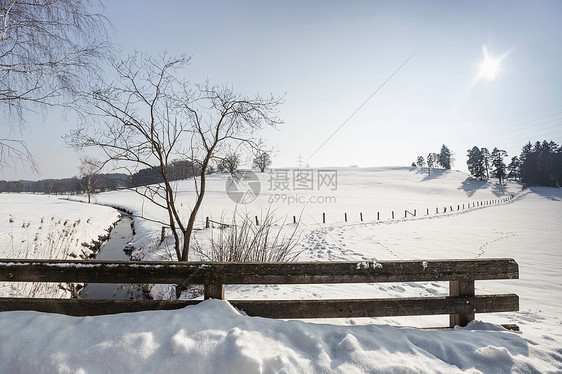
486,160
514,168
498,164
528,163
445,158
475,163
420,162
431,161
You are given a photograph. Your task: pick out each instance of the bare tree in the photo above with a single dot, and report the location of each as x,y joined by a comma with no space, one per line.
47,50
262,160
89,167
152,118
229,162
14,151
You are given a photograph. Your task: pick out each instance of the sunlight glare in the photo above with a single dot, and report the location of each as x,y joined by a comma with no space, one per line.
490,66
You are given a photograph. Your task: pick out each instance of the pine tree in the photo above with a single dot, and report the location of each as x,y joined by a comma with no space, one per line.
486,160
498,164
528,163
420,162
475,163
514,168
541,164
431,160
445,158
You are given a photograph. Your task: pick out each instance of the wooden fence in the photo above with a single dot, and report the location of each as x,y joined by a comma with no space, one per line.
209,223
461,304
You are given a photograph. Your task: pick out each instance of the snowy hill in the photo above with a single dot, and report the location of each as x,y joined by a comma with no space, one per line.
213,337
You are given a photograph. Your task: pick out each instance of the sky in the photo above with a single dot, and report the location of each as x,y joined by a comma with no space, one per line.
366,83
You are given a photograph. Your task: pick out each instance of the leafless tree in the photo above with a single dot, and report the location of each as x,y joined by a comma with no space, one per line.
14,151
152,117
229,162
89,167
262,160
48,48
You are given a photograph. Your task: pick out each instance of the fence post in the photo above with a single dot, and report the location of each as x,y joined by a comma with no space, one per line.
294,219
393,214
427,214
378,216
414,212
207,223
323,217
345,215
361,216
214,291
461,288
257,222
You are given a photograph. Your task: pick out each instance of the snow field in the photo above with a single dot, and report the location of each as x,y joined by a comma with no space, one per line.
213,337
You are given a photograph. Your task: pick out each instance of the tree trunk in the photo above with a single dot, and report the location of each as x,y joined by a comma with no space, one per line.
193,215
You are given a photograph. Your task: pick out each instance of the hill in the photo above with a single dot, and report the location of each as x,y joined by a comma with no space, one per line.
213,337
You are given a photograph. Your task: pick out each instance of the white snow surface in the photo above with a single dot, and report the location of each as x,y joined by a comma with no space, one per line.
39,226
213,337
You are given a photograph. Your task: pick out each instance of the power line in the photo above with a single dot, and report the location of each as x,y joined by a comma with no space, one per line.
361,106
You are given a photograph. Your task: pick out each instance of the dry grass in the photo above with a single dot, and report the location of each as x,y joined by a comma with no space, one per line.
52,238
244,241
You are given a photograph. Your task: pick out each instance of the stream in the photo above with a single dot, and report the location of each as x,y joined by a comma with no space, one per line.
114,250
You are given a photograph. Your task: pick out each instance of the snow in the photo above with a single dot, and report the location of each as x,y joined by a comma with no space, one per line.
38,226
214,337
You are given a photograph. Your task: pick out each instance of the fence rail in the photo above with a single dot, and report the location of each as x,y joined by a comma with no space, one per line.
461,304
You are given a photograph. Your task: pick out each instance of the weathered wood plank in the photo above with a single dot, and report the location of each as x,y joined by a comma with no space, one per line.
90,307
378,307
214,291
255,273
288,309
461,288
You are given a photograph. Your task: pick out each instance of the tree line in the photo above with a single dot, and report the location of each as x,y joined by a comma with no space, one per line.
91,182
444,159
539,164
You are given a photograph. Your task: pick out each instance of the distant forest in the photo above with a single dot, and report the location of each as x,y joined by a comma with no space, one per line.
179,169
539,164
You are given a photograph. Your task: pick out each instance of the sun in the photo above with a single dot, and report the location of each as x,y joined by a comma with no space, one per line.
490,67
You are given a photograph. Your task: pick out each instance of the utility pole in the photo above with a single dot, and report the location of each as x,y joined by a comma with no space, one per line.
299,161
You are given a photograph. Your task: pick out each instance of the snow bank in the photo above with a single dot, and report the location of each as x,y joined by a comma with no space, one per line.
212,337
